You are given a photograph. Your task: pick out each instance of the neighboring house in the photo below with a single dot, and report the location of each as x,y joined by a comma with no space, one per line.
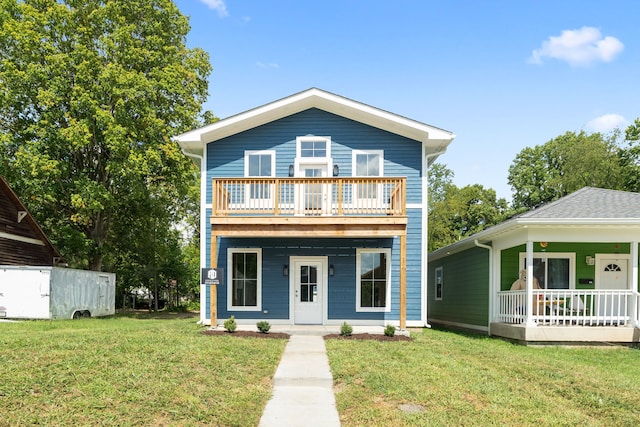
22,241
314,208
582,251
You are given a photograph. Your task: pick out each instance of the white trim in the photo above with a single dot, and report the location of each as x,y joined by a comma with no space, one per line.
21,239
324,261
354,163
230,306
571,256
300,161
249,153
194,140
414,206
387,307
599,266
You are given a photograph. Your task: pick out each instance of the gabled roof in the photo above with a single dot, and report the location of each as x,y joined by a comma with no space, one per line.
22,241
193,142
586,207
590,203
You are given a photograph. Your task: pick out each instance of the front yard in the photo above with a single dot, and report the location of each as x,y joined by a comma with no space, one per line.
148,371
444,378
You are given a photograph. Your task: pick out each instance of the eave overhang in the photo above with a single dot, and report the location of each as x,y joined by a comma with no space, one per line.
434,138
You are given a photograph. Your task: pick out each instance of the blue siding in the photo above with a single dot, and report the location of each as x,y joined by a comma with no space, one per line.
402,157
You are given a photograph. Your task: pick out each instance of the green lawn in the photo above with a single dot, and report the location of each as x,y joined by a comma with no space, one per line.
131,371
163,372
455,379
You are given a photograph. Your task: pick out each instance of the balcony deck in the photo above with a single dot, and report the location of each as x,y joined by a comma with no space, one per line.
302,207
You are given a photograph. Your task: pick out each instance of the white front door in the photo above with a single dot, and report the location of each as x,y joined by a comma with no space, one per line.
308,284
613,271
612,274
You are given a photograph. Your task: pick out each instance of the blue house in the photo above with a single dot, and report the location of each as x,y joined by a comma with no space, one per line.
314,212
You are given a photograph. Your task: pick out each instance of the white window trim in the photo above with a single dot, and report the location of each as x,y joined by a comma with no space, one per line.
328,161
248,153
435,280
230,306
354,154
571,256
387,307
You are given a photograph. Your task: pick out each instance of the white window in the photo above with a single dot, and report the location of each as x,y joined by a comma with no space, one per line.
439,282
368,163
313,148
244,279
373,281
552,270
259,164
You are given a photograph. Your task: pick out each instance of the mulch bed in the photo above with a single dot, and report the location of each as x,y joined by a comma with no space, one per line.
280,335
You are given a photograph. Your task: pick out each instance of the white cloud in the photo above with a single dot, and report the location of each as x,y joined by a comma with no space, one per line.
578,47
217,5
606,123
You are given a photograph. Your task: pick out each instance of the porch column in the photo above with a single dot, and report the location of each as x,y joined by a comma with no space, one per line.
403,282
213,289
529,322
635,321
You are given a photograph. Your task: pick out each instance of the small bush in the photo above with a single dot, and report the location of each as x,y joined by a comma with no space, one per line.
230,324
390,330
263,326
346,330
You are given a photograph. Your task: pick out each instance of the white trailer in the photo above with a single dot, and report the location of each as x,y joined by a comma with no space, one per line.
55,293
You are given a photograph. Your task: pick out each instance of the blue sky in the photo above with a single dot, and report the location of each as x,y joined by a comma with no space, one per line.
501,75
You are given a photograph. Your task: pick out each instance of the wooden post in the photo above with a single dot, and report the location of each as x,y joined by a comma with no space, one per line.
403,282
213,289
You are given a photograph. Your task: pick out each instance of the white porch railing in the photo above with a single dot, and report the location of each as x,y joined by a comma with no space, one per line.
571,307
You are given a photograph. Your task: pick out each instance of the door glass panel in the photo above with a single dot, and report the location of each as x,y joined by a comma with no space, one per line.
308,283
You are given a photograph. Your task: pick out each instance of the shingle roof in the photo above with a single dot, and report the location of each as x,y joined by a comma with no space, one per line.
590,203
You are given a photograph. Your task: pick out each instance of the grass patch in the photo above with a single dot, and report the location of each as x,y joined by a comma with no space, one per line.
132,370
445,378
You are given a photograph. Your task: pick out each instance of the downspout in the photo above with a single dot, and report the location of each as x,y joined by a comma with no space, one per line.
425,230
491,298
203,226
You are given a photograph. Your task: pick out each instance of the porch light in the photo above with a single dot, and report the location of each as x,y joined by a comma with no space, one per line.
291,170
285,270
336,170
331,270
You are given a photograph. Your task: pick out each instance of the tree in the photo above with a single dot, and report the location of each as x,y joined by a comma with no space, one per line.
563,165
91,91
630,158
456,213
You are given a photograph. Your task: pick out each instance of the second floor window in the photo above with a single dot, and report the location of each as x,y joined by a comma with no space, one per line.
260,164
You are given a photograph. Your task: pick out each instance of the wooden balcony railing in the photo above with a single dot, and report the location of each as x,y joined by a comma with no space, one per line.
309,196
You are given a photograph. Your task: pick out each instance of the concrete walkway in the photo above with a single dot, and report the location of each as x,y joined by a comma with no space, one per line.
302,386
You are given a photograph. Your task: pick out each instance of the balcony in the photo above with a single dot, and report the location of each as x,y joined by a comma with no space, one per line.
309,197
303,207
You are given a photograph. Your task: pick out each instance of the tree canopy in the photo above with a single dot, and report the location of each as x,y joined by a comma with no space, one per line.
456,213
563,165
90,93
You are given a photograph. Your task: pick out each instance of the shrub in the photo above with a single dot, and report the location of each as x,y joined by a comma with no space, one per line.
230,324
390,330
346,329
263,326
